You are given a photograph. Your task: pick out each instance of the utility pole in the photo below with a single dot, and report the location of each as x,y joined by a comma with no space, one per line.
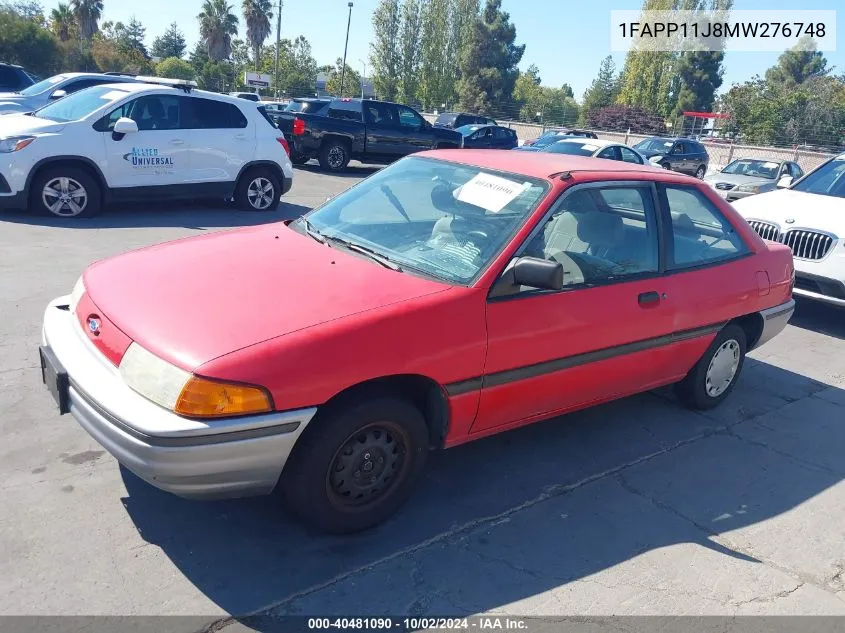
278,40
345,46
363,77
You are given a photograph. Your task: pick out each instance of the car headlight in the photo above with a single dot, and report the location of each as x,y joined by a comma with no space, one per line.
76,295
750,188
655,159
14,143
185,393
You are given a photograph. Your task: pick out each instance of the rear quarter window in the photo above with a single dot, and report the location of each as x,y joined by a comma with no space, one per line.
212,115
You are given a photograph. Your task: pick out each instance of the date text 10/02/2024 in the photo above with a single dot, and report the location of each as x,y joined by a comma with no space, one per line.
484,623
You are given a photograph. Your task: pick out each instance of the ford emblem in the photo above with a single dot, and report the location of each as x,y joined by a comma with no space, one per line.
790,220
94,325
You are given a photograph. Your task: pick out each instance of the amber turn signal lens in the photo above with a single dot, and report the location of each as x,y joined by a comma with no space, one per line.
204,398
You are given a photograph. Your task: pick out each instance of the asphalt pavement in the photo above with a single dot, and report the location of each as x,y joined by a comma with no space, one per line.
636,507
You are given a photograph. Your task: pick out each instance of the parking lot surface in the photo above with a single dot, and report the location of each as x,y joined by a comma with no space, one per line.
636,507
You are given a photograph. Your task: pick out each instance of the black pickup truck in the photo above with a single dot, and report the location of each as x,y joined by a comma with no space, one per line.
369,131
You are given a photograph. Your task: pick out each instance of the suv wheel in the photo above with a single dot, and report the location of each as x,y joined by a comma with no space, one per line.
258,190
65,192
699,173
334,156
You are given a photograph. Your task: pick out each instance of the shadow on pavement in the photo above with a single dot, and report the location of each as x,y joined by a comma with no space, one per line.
614,470
353,170
819,317
189,214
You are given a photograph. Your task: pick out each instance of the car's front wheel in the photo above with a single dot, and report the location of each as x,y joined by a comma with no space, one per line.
714,376
65,192
699,173
258,190
356,464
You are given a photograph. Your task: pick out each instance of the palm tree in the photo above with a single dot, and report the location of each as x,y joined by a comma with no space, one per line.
257,14
217,26
87,14
62,22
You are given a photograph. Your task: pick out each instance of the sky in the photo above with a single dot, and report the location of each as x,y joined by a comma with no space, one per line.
566,39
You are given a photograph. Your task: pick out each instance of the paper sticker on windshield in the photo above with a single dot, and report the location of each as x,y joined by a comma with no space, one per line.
112,95
590,148
490,192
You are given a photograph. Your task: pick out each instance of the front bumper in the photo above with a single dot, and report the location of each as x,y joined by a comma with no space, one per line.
230,457
13,201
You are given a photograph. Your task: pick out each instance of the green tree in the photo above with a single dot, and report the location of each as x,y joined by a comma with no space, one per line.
436,69
217,27
62,22
175,68
621,118
24,41
543,104
170,44
384,49
604,88
489,63
798,64
351,81
257,15
297,66
131,37
462,17
87,14
410,55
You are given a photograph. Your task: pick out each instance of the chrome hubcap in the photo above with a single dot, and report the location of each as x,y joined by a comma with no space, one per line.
260,193
65,197
722,369
336,156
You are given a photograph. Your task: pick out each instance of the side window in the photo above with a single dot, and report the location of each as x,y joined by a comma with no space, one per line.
409,118
608,153
700,233
502,133
379,113
76,86
8,77
344,113
601,235
207,114
629,156
106,124
156,112
680,148
795,171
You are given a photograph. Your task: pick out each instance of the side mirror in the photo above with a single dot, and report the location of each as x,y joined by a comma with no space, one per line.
784,182
125,125
538,273
58,94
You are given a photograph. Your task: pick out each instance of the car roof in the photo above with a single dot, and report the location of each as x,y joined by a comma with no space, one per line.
598,142
133,87
544,164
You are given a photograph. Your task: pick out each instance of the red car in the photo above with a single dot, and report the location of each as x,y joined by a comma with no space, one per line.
450,296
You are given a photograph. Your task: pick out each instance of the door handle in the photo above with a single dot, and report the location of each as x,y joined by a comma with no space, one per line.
648,298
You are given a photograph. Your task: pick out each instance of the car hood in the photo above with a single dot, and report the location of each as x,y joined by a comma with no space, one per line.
17,124
200,298
447,134
737,179
806,210
14,103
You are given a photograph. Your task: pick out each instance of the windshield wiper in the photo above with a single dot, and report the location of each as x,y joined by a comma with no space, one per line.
377,257
313,233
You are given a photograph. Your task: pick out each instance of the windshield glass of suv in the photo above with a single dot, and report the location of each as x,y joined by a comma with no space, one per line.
575,148
41,86
80,104
828,180
756,168
548,139
430,217
654,145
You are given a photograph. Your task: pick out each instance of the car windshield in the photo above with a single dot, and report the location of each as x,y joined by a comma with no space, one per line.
80,104
42,86
654,145
576,148
827,180
548,139
756,168
430,217
447,119
468,129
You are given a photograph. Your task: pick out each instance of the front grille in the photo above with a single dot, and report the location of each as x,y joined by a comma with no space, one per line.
724,186
811,245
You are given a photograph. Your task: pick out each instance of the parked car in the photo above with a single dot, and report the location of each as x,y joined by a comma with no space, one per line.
249,96
285,116
552,136
135,140
808,216
748,176
14,78
683,155
488,137
454,120
596,149
365,130
565,282
40,94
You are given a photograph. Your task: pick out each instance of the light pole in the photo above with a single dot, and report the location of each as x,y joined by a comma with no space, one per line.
345,46
278,40
364,76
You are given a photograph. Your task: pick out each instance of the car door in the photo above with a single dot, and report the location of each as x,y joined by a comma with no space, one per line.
630,156
157,155
415,133
677,157
611,152
502,138
605,333
384,135
223,141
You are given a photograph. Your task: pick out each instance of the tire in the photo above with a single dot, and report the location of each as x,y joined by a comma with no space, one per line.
258,189
699,173
704,388
334,156
666,166
325,482
76,194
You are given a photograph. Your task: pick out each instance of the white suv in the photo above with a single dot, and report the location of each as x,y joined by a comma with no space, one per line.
127,141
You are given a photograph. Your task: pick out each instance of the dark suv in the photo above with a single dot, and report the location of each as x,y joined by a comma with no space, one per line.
685,155
454,120
13,78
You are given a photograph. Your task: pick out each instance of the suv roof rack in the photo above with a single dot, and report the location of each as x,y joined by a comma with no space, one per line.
182,84
114,74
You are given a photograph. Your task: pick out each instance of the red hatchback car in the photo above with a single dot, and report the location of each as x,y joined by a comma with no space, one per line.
450,296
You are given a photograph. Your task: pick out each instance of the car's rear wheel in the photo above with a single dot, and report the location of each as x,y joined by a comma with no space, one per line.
699,173
715,375
334,156
258,190
299,159
65,192
355,465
